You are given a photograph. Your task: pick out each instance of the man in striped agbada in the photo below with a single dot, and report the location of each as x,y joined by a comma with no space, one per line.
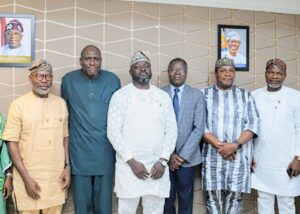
231,124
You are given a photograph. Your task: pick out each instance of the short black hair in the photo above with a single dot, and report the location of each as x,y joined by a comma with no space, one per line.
89,46
185,66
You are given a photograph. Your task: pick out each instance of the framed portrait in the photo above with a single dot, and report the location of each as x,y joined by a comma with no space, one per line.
233,43
17,37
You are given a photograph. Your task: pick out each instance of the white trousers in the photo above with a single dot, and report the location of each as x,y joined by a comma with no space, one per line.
151,205
266,201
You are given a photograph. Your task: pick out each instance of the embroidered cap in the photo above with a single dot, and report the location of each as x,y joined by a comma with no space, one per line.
40,65
14,25
223,62
276,62
139,56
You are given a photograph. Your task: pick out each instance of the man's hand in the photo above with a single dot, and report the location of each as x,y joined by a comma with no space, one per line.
157,171
218,145
230,157
227,149
32,188
138,169
175,162
295,166
65,177
8,187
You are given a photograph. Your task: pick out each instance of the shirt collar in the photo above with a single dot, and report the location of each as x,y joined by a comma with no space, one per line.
180,88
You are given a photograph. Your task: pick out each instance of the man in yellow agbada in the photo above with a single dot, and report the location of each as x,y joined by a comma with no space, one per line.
37,137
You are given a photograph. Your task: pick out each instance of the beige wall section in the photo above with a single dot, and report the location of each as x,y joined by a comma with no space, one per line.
165,31
119,28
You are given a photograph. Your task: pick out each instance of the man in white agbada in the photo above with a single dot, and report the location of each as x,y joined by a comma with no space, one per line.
278,146
142,129
233,45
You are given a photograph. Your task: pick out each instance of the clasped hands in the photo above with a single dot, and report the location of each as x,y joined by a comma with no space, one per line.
140,171
227,150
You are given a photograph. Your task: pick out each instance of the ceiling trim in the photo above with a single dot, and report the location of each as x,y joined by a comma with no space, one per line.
278,6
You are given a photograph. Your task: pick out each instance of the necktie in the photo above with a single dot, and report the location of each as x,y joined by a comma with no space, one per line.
176,102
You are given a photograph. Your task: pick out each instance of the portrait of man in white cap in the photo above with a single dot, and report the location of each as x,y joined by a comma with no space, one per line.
234,41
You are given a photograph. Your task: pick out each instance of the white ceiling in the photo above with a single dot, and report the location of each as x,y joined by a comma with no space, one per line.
279,6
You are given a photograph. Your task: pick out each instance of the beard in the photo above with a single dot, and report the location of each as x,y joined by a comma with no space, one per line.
274,86
41,92
142,80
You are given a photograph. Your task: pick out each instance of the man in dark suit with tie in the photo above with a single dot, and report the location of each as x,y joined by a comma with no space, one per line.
189,109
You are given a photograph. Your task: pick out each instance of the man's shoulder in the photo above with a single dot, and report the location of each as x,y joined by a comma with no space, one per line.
71,74
109,74
56,98
208,88
159,91
22,98
290,90
165,88
110,78
191,90
123,90
258,91
240,89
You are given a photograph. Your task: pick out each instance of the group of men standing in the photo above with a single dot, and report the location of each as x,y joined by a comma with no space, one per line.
155,135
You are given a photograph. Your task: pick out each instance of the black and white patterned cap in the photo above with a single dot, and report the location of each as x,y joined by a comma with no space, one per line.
14,25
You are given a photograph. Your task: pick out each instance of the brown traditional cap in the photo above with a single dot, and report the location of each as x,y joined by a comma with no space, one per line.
139,56
40,65
276,62
224,61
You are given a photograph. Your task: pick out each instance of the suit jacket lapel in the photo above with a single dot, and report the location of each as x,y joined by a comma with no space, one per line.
168,89
183,102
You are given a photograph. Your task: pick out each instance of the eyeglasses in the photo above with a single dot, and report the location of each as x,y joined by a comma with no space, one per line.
40,77
179,70
234,41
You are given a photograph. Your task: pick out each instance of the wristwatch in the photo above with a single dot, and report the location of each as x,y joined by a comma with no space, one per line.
163,162
238,144
9,174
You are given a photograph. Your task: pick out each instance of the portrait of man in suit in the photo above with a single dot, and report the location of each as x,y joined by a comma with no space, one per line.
189,109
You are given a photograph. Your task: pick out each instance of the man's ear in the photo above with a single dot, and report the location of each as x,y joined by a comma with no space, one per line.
80,61
30,78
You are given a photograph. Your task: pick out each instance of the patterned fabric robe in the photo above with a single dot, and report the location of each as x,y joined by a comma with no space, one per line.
229,113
